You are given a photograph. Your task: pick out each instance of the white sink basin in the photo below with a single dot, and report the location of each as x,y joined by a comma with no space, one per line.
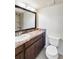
22,37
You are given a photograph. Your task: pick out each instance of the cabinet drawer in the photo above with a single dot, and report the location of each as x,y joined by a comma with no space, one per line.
33,40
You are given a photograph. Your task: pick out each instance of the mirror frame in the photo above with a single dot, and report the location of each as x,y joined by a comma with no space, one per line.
16,6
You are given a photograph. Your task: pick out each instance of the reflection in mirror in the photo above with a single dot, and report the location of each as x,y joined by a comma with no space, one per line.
24,19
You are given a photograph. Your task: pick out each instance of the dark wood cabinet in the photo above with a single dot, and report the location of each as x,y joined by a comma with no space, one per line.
19,52
20,56
32,48
32,51
29,53
38,47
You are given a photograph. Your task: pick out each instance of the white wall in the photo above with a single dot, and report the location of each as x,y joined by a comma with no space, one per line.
51,18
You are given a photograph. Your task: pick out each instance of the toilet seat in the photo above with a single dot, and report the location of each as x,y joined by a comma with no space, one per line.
51,52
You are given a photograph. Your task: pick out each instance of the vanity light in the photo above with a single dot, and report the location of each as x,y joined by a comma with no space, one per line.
21,4
30,8
24,5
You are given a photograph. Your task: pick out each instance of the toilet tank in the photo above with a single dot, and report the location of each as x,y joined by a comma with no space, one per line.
53,40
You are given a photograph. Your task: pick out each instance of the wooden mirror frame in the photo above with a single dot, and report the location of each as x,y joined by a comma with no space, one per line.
16,6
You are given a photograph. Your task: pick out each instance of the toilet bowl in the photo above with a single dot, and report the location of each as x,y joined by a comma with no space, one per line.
51,50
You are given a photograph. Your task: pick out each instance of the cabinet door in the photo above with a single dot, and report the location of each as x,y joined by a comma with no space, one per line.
20,56
29,52
43,38
38,47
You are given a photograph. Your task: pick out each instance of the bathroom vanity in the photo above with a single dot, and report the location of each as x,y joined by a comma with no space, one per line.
30,46
29,40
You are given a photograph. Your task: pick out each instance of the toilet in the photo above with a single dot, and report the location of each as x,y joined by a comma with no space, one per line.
51,50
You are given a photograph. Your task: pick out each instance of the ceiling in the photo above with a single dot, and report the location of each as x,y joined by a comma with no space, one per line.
38,4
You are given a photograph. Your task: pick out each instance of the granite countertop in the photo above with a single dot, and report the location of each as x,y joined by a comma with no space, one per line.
19,40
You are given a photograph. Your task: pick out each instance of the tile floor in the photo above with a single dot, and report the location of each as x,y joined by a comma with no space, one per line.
43,56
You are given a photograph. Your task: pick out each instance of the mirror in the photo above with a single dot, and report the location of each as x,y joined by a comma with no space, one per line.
24,19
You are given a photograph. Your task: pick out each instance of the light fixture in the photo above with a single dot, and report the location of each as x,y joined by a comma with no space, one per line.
24,5
21,4
30,8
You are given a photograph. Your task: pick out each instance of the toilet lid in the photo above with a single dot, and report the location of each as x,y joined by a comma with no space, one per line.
51,50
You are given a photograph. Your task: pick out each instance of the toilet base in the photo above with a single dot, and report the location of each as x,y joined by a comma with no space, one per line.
50,57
